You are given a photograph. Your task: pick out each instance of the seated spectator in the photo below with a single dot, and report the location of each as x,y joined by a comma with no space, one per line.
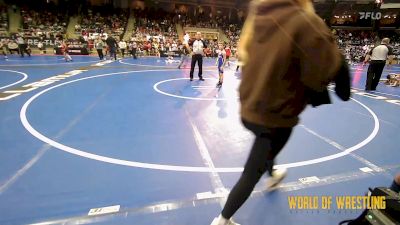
3,20
13,47
37,24
100,20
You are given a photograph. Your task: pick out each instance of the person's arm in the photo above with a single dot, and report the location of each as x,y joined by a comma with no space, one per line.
216,62
368,57
224,60
204,44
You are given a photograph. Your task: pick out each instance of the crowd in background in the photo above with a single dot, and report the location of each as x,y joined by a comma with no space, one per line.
3,20
44,24
100,20
155,29
356,44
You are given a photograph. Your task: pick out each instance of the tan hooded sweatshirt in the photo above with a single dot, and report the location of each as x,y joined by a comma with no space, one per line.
286,49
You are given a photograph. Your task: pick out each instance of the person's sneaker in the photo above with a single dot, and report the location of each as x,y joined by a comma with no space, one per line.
221,221
201,79
191,79
277,176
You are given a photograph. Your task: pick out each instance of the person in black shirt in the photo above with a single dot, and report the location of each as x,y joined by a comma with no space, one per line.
112,45
133,46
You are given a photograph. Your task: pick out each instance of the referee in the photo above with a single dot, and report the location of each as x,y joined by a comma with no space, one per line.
198,51
378,56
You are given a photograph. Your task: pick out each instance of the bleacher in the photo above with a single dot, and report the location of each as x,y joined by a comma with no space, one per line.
99,20
3,20
155,31
47,23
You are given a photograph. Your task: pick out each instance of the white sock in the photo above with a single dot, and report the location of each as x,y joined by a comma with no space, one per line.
222,220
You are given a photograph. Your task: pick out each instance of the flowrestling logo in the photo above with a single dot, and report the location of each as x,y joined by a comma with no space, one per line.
372,15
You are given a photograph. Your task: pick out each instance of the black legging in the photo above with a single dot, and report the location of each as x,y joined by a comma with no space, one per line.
267,145
133,52
100,52
197,58
374,73
113,52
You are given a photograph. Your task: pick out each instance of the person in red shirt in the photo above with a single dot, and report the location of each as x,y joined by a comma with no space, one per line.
228,54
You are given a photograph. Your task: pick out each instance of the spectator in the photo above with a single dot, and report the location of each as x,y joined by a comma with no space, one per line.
13,47
41,47
99,45
134,47
122,46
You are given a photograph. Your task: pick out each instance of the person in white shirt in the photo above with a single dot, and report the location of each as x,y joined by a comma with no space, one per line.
22,46
41,47
186,39
174,46
377,57
99,45
122,46
198,52
13,47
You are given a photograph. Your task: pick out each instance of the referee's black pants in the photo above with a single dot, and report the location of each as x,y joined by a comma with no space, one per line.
375,70
23,49
267,145
197,58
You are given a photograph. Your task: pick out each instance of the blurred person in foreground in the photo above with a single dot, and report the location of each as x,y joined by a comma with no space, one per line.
396,184
289,57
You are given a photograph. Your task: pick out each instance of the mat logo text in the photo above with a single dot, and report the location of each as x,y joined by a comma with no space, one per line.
32,86
7,95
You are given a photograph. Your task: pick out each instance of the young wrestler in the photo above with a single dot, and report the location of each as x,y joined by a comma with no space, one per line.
221,60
